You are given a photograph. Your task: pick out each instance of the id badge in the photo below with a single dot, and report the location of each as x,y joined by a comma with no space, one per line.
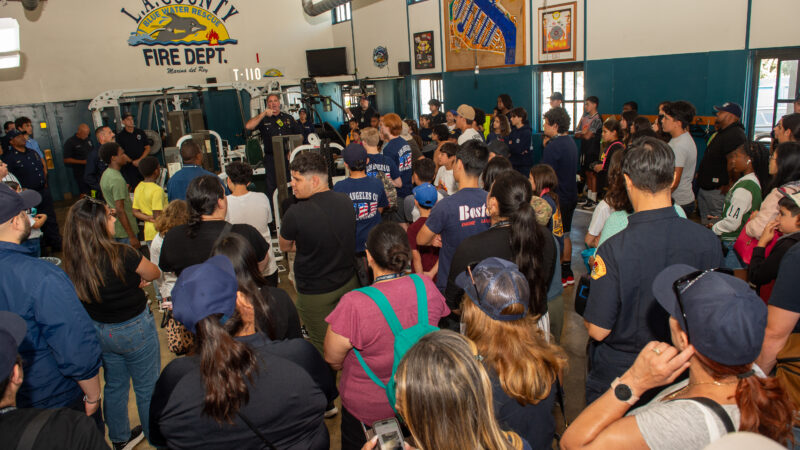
279,122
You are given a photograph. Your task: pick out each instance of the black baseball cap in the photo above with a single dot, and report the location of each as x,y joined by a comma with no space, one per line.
12,332
11,202
557,96
725,317
354,153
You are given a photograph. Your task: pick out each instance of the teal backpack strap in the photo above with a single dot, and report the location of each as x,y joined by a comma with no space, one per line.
422,299
391,318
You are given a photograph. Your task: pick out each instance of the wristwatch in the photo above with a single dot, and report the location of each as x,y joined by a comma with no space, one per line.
623,392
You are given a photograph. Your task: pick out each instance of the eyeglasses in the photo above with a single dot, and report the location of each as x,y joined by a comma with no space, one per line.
683,283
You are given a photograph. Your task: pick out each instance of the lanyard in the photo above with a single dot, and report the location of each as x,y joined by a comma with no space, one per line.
390,276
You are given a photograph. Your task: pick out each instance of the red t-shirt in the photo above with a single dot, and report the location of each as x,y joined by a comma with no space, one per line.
358,318
428,253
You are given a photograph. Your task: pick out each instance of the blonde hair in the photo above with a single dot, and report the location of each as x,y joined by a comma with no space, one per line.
176,213
440,378
526,364
370,136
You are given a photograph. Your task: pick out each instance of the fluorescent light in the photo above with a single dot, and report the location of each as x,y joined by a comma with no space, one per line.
9,35
9,61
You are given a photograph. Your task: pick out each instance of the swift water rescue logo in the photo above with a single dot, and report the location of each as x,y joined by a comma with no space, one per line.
182,35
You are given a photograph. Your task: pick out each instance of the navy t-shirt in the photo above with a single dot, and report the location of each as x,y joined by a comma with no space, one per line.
378,162
562,155
784,294
456,218
399,151
367,195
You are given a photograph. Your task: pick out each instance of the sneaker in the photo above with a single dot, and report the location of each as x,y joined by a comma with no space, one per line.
304,332
563,282
331,411
589,206
582,201
570,279
136,436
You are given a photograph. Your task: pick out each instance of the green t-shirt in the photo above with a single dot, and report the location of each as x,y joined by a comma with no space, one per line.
618,221
114,188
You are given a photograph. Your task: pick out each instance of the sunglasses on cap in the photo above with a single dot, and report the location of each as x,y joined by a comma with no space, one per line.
97,203
682,284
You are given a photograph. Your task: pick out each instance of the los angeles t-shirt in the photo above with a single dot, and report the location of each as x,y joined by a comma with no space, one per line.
456,218
367,195
399,151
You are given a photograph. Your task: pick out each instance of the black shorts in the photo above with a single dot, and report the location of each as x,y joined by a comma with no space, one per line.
567,211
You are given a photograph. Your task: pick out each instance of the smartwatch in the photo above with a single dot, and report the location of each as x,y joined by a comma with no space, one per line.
623,392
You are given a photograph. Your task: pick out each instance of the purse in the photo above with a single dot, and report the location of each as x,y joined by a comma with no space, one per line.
787,370
179,340
745,244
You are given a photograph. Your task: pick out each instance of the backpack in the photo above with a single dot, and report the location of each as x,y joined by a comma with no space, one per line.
389,187
404,339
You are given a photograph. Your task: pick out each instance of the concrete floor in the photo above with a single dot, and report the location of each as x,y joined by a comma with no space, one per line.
573,340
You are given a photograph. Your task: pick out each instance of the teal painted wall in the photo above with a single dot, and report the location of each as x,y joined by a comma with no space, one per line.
482,90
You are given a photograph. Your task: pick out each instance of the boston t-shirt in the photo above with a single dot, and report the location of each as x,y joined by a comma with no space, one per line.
456,218
367,195
399,151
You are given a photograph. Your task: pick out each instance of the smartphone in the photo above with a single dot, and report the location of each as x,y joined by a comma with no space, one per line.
390,437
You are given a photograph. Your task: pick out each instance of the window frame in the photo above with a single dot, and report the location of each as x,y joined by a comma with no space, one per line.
344,9
792,54
422,107
580,97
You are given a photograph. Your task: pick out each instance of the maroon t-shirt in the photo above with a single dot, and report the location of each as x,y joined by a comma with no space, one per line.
428,253
358,318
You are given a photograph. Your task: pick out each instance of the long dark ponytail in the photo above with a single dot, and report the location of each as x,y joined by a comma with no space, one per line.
513,194
225,366
202,196
759,161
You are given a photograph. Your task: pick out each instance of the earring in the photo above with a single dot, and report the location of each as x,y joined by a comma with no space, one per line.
748,161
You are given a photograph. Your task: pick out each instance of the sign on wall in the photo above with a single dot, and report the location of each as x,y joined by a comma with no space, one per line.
557,32
423,50
487,33
182,37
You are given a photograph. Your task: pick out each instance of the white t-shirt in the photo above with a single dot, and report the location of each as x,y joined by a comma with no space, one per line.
685,156
167,280
446,177
601,213
468,134
253,209
35,232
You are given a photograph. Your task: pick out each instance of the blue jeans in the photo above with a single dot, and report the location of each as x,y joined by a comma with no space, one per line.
130,352
732,260
125,240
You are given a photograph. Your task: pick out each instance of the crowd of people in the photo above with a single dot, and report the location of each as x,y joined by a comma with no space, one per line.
432,276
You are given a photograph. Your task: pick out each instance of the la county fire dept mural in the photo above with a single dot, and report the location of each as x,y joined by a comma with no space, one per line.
488,33
182,35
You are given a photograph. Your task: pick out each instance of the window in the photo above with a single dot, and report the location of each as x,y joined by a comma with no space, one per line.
569,81
411,2
430,88
341,13
774,89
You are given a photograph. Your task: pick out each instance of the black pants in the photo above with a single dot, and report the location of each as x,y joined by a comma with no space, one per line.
50,234
77,173
353,437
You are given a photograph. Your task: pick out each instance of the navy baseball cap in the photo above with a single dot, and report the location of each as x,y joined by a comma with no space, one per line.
354,153
13,133
205,289
733,108
557,96
11,202
726,318
12,332
495,285
426,194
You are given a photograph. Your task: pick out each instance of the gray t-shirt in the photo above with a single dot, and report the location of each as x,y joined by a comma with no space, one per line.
685,156
681,423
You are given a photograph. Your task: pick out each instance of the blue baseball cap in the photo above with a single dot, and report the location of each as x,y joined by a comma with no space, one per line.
496,284
205,289
426,194
354,153
733,108
726,318
12,332
12,202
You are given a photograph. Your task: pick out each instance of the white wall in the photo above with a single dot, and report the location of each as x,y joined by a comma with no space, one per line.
536,4
78,48
425,17
379,23
773,23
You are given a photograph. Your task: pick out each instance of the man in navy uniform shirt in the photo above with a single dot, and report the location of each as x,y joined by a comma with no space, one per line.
134,141
94,166
622,315
31,172
76,152
272,122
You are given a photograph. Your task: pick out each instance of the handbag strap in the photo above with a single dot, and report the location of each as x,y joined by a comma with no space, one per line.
33,429
225,230
718,410
255,430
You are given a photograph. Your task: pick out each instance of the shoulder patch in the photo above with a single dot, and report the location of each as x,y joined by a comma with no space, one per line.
598,268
